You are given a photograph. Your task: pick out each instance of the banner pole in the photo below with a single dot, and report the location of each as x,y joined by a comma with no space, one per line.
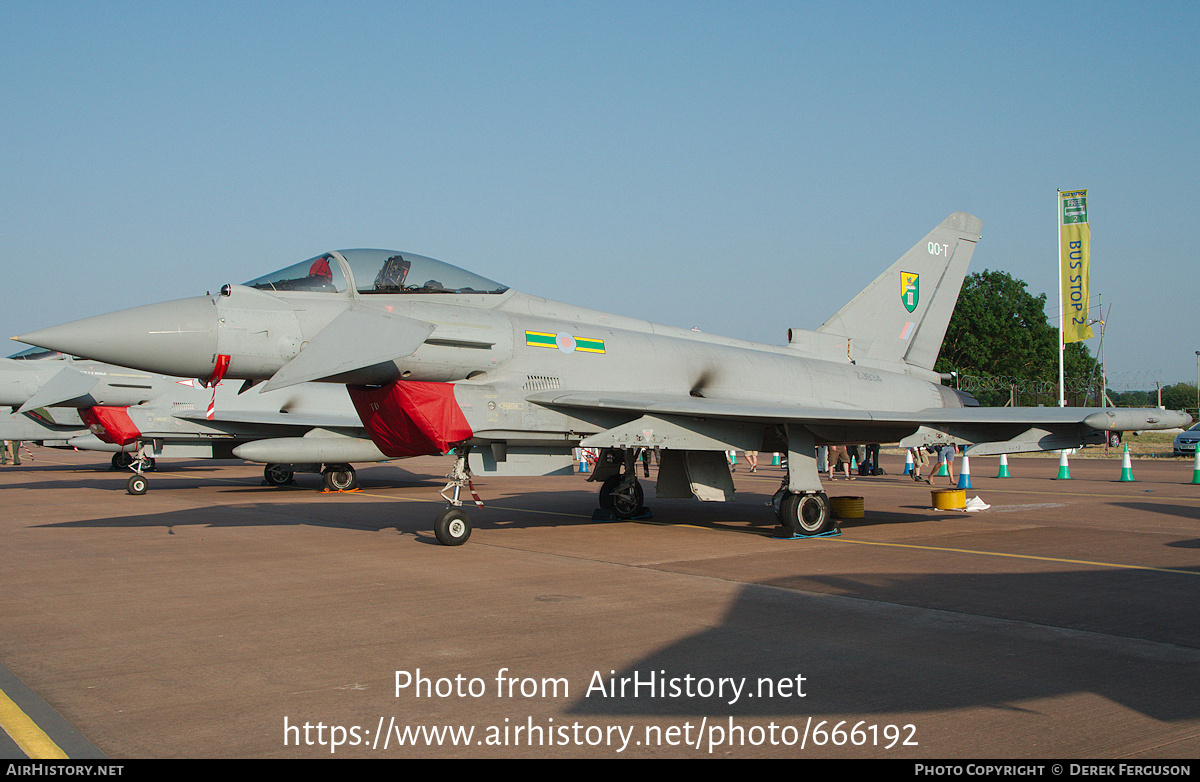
1062,390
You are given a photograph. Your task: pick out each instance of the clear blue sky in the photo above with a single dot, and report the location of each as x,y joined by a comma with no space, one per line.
742,167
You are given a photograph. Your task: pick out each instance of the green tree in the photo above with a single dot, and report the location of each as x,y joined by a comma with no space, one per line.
1179,396
999,333
1133,398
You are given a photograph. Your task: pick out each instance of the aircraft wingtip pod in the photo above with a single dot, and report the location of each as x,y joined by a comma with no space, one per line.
1129,419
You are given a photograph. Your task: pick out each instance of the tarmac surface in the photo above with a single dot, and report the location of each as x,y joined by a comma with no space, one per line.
217,617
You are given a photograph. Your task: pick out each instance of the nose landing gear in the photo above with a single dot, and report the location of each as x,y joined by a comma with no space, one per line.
452,527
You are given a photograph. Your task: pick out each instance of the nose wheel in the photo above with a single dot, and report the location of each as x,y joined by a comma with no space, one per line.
136,485
452,527
140,462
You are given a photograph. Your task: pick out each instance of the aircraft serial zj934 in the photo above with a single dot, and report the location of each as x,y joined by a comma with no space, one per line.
438,359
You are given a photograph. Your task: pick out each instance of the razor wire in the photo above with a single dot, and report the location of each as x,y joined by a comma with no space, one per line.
1146,380
1135,381
1025,385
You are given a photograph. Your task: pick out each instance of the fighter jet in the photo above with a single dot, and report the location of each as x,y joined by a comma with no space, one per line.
139,416
42,427
438,359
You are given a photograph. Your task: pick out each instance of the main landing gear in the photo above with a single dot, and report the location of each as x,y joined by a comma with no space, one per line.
278,475
621,493
801,504
335,477
802,513
124,461
339,477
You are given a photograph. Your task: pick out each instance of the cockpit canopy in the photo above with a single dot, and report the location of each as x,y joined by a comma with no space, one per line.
37,354
376,271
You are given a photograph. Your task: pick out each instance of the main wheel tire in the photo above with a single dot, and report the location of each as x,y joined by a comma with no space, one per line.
624,503
136,485
121,460
452,527
606,490
1114,439
806,514
339,477
277,475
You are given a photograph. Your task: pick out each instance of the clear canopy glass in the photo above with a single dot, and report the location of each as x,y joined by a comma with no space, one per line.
322,274
376,271
388,271
36,354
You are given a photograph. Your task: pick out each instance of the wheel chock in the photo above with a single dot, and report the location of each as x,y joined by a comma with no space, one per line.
836,532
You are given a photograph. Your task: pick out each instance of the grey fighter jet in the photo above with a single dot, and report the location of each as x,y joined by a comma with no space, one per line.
139,416
438,359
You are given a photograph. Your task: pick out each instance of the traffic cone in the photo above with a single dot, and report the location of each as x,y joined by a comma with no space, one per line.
853,463
964,475
1064,474
942,472
1196,467
775,460
583,465
1003,466
1126,467
908,462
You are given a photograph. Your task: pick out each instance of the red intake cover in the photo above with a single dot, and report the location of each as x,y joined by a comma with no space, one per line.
110,424
411,418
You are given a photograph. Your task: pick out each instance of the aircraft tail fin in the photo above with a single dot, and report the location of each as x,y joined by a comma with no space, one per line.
902,316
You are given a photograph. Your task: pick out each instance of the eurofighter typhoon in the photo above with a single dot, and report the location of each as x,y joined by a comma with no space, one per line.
439,360
139,416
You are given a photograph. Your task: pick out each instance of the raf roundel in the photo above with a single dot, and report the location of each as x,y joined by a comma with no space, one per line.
565,342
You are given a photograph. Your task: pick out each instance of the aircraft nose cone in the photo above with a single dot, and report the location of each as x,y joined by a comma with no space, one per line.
172,338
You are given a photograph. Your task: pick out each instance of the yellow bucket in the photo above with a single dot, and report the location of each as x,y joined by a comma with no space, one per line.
847,507
949,499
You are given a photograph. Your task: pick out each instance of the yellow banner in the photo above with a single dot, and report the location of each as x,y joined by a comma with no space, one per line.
1074,251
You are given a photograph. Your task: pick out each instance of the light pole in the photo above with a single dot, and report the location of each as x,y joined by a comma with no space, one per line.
1103,377
1198,383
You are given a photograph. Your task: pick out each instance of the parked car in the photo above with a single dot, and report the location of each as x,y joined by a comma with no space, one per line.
1185,441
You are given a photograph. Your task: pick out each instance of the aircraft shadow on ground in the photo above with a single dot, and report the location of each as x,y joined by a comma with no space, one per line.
877,656
101,475
417,502
196,474
865,642
412,511
1183,511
